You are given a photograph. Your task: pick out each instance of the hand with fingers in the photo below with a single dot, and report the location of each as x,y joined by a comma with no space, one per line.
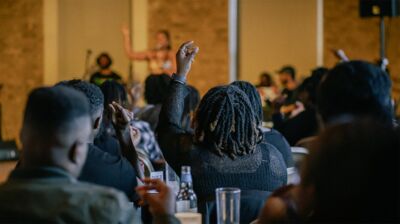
121,116
185,57
135,135
161,203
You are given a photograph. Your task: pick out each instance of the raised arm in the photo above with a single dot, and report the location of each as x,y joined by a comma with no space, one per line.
126,135
128,47
172,137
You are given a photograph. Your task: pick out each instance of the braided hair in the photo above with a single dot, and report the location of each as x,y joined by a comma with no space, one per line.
225,121
254,97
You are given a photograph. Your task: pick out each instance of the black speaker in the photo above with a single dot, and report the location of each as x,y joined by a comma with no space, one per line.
380,8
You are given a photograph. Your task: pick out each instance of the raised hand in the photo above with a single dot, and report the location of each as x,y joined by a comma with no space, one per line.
185,57
121,116
160,203
125,30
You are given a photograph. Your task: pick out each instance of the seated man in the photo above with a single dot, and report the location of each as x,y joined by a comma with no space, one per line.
103,167
56,128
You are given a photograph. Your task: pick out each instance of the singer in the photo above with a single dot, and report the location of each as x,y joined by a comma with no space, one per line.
161,58
104,73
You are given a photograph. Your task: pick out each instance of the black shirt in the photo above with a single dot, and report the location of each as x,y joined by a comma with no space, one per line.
98,78
109,170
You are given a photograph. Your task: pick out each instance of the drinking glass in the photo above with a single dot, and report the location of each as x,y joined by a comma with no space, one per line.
228,205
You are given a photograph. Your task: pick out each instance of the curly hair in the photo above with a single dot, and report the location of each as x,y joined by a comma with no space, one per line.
91,91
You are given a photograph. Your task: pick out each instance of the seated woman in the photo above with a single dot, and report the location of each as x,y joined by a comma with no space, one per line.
226,149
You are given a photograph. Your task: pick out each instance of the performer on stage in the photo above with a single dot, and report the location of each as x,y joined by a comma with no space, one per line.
161,58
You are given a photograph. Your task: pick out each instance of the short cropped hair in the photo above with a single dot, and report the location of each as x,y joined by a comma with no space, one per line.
52,109
91,91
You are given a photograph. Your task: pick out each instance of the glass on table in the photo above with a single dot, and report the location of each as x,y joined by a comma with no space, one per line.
228,205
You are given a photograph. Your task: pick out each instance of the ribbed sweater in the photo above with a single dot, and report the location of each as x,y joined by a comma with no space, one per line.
264,170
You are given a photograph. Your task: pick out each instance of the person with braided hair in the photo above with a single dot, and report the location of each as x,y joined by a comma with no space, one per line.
227,148
271,136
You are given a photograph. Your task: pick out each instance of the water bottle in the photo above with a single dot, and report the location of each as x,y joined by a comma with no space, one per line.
186,201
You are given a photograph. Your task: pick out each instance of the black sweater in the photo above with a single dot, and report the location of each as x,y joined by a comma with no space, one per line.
263,170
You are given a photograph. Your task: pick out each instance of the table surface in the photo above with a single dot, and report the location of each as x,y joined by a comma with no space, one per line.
5,169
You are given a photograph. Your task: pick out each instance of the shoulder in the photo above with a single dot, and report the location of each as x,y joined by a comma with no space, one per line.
100,159
105,202
274,210
115,75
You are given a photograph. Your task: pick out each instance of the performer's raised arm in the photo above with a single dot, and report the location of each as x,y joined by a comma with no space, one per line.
144,55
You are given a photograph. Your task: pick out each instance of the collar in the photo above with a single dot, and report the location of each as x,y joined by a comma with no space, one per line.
40,172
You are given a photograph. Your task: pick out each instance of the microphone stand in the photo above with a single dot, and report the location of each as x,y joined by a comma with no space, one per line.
383,60
87,59
130,68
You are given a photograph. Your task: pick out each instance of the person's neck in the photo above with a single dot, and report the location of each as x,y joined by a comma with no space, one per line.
291,85
106,71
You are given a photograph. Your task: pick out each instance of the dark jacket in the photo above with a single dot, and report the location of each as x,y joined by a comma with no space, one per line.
109,170
301,126
276,139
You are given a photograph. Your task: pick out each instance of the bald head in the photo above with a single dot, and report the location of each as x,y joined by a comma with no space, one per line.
56,129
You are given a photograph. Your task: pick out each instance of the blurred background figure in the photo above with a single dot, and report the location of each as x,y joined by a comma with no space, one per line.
268,92
303,124
155,90
287,79
161,59
104,73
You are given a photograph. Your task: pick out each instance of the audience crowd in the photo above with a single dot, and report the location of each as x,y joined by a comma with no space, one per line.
88,147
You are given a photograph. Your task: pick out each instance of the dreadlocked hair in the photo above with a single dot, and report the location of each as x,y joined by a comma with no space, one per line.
225,121
254,97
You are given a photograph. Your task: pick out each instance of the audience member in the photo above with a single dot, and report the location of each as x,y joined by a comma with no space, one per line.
105,166
271,136
355,89
43,189
287,78
267,88
115,92
341,178
155,90
305,123
104,62
226,149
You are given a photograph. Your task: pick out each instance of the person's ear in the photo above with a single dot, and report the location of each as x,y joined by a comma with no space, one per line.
97,123
73,154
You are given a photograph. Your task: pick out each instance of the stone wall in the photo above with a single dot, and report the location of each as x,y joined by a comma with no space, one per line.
359,37
21,56
205,22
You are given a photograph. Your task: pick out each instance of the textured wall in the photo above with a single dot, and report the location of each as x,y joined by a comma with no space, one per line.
21,56
359,38
276,33
205,22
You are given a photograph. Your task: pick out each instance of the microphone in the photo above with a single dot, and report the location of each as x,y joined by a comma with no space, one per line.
339,53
